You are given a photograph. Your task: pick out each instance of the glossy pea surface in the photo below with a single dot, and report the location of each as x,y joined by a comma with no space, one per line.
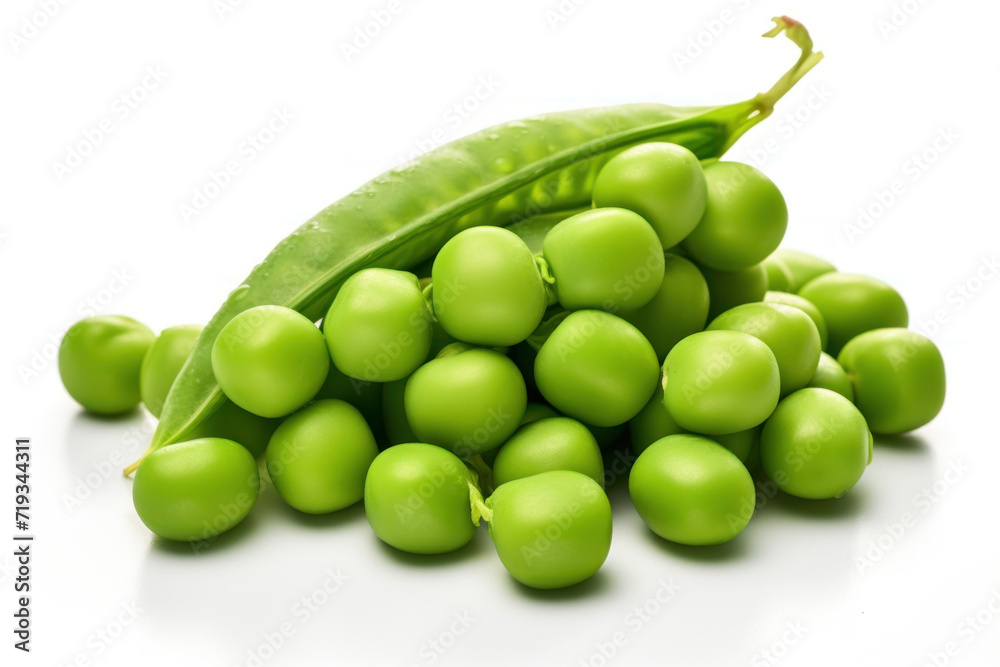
728,289
662,182
195,490
898,377
691,490
100,360
779,276
318,457
852,304
487,288
831,375
802,266
232,422
162,363
806,306
417,499
553,443
551,530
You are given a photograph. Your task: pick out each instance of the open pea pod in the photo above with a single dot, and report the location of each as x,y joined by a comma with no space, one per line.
504,174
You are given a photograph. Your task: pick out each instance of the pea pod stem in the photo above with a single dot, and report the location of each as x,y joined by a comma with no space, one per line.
480,510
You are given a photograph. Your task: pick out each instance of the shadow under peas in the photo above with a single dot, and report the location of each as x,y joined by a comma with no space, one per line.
905,442
833,509
320,521
731,550
475,548
208,548
594,586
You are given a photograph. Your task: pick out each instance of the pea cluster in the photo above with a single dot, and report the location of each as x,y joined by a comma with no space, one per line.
490,384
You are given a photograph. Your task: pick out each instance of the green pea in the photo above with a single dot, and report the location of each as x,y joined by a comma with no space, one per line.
417,499
163,361
468,400
815,445
803,267
745,218
852,304
728,289
378,328
652,423
779,276
678,309
231,422
691,490
100,360
791,335
318,457
597,368
270,360
898,377
551,530
487,288
554,443
536,411
195,490
806,307
741,443
397,428
606,258
662,182
719,382
831,375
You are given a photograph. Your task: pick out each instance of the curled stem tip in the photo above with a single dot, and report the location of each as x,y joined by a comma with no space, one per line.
480,510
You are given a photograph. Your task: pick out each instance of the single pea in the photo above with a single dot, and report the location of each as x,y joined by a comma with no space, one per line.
551,530
806,307
678,309
606,258
378,328
99,362
318,457
555,443
163,362
662,182
597,368
652,423
691,490
417,499
741,443
231,422
802,266
195,490
468,400
831,375
779,276
270,360
852,304
719,382
791,335
397,428
364,395
487,288
745,218
815,445
728,289
898,377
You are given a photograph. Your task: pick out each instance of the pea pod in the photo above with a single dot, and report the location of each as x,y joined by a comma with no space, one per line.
498,176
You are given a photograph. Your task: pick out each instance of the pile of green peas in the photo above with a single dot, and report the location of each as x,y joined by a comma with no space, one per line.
664,319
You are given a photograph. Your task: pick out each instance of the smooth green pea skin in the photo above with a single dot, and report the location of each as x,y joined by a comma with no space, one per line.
554,443
791,335
469,400
898,377
231,422
719,382
100,360
662,182
652,423
779,276
831,375
852,304
745,218
741,443
195,490
606,258
318,457
397,428
270,360
487,288
532,413
802,266
691,490
806,307
597,368
728,289
551,530
163,361
378,328
417,499
815,445
678,309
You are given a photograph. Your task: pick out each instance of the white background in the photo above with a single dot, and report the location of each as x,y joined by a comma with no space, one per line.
880,98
